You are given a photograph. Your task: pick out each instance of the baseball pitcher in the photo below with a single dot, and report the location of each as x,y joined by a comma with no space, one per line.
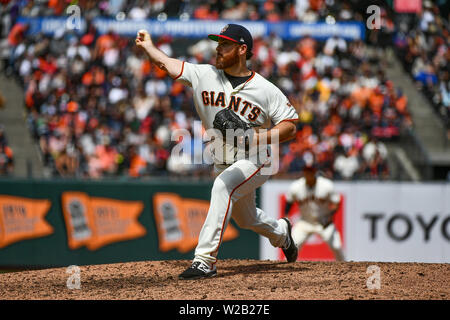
318,203
229,96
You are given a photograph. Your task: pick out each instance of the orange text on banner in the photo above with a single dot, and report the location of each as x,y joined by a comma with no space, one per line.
22,218
96,222
180,220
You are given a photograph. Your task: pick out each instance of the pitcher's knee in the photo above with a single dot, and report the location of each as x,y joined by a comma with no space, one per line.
254,228
249,224
243,223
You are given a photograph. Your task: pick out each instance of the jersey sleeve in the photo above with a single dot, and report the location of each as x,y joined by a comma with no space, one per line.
291,194
280,109
190,73
333,196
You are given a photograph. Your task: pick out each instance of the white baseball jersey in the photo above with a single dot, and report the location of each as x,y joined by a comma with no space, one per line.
257,101
313,202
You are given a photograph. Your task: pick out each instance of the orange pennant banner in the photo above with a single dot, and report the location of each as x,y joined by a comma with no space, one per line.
180,220
114,221
22,218
96,222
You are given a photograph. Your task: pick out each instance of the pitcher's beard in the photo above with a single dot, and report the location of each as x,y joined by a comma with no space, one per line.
224,63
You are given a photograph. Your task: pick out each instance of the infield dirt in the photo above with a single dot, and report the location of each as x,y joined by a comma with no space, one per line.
236,280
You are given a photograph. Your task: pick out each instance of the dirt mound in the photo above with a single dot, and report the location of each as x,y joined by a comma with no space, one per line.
236,279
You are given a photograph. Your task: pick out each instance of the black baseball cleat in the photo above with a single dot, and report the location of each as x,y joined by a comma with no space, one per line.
291,252
197,270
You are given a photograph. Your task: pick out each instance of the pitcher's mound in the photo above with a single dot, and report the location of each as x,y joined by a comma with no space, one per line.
236,280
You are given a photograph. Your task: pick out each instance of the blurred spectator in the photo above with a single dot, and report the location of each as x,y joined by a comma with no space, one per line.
17,34
346,165
6,155
2,101
6,160
3,140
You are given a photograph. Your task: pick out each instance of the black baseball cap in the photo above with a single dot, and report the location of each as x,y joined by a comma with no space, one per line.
235,33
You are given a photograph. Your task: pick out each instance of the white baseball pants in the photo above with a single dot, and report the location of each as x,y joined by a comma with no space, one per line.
303,229
233,195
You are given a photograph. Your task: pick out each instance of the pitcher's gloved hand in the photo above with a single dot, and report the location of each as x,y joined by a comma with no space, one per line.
227,119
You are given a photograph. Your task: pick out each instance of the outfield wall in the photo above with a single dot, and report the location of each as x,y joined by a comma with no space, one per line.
61,223
386,222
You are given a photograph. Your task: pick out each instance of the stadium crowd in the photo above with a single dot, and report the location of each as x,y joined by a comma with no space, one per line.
98,108
423,44
268,10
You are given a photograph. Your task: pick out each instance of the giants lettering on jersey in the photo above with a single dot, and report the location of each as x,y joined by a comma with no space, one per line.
215,99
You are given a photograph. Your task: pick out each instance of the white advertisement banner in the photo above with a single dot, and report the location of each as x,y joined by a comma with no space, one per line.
385,222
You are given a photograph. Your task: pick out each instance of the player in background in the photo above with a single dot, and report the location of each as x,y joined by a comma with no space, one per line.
230,84
318,202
